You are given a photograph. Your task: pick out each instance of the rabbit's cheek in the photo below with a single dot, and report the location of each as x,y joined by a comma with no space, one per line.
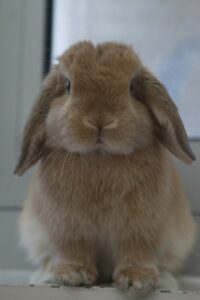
133,132
56,125
73,136
119,142
53,123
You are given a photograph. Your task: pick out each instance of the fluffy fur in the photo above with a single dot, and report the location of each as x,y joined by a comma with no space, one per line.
106,202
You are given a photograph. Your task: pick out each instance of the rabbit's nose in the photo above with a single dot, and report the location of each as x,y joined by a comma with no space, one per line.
111,124
100,125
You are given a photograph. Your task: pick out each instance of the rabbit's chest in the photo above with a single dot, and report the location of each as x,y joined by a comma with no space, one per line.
96,209
97,195
93,198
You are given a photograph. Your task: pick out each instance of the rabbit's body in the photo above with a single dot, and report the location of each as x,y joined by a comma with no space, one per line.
106,201
100,202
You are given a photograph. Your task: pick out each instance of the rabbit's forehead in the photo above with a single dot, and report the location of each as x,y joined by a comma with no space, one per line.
112,61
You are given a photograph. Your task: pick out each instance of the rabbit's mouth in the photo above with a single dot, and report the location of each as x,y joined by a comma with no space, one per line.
102,146
99,140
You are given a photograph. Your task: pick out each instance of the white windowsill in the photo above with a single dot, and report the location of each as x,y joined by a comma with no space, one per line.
14,285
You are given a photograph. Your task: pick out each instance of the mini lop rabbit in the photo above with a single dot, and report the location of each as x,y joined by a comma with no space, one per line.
106,202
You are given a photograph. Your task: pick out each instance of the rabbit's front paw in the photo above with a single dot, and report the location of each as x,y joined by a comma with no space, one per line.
136,280
72,275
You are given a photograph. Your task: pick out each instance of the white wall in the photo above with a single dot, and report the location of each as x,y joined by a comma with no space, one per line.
21,62
166,34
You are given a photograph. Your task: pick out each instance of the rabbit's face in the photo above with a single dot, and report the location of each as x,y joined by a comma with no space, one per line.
101,100
98,111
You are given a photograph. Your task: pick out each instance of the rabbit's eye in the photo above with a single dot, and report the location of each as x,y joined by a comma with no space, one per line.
67,85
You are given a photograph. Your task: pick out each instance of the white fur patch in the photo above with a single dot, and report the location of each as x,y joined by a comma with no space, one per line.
34,239
167,281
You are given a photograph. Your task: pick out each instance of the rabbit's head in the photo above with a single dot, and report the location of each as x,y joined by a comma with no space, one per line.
102,100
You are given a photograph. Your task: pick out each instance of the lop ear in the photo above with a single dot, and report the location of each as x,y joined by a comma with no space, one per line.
33,144
169,128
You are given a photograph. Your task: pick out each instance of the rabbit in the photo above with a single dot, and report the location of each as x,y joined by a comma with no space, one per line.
106,203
